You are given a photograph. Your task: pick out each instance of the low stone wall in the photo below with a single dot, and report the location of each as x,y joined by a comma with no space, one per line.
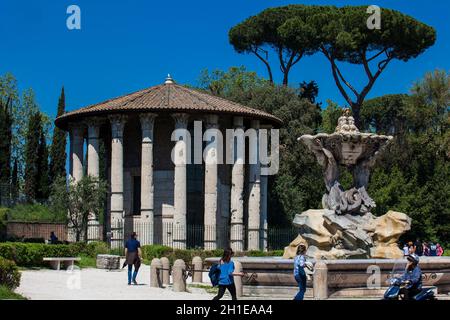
344,277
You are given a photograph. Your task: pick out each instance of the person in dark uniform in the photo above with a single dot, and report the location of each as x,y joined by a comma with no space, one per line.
133,256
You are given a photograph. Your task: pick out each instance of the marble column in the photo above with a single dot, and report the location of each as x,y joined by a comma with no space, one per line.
117,126
237,187
254,187
93,165
76,151
147,203
76,133
211,185
263,221
264,196
180,181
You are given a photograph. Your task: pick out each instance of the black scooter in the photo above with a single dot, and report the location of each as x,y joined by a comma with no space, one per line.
394,292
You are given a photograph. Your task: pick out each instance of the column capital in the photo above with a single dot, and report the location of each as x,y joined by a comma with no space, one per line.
238,122
212,120
266,126
117,124
76,128
181,120
255,124
147,120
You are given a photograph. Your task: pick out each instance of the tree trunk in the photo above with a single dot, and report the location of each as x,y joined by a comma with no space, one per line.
356,111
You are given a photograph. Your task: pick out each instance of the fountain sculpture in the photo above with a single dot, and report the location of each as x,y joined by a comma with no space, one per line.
345,227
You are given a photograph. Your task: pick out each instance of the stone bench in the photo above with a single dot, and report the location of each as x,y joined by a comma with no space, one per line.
108,261
55,262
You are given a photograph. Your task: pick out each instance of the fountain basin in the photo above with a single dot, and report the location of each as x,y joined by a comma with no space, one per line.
348,277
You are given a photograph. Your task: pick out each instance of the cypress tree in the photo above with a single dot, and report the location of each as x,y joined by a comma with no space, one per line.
58,148
15,182
31,156
5,141
43,189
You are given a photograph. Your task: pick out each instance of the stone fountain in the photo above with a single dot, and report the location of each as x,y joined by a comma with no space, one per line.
345,227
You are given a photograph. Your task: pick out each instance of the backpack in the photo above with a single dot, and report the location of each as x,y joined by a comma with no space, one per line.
214,274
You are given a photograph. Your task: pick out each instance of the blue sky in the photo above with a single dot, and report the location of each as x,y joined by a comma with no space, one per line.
124,46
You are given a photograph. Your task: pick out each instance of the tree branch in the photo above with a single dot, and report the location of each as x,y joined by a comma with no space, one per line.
269,70
335,76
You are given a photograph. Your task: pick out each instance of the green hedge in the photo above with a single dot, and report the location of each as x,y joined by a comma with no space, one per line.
157,251
31,254
9,274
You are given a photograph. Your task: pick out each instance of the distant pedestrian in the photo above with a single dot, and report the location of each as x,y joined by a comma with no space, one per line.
226,280
418,247
440,250
433,250
299,271
410,247
426,249
133,256
53,238
405,250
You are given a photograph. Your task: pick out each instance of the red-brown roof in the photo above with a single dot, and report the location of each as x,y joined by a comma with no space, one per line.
167,97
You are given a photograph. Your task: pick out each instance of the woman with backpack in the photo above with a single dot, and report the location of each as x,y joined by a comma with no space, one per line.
226,280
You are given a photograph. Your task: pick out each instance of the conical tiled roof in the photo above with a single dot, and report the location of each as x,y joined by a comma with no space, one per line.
167,97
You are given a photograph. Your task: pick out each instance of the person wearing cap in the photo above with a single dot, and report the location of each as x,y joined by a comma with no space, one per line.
412,277
299,271
133,257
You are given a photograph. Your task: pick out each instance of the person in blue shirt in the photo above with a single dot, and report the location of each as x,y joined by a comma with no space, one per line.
133,256
226,280
412,277
299,271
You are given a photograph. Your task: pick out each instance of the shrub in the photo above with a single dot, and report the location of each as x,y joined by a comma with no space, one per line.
155,251
31,254
9,274
92,249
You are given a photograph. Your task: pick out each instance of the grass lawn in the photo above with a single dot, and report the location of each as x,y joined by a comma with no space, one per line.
6,293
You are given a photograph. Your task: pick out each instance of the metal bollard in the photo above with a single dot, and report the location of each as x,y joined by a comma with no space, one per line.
197,273
320,281
179,281
165,271
155,274
238,279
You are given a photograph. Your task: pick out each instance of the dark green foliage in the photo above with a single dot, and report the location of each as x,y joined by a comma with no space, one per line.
33,157
58,148
413,175
43,190
15,183
5,141
9,274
